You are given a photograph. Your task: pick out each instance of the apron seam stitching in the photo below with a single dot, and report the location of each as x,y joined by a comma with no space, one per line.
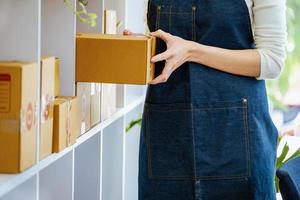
247,139
193,133
148,145
194,23
158,10
170,18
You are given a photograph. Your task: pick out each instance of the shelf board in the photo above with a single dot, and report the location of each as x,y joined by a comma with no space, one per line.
121,112
10,181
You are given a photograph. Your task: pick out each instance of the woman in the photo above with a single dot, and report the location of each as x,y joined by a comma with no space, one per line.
206,131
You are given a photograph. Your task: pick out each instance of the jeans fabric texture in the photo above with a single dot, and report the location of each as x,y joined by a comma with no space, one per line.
289,179
206,134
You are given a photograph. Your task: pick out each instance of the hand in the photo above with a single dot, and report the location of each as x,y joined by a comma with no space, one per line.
178,52
128,32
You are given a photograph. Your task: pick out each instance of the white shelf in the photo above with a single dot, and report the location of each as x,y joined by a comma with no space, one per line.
8,182
27,189
121,112
33,28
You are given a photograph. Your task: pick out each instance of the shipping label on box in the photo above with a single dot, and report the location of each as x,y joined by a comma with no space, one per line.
47,101
18,88
5,88
84,97
119,59
109,105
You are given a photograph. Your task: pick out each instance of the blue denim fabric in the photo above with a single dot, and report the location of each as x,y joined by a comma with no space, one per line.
206,134
289,179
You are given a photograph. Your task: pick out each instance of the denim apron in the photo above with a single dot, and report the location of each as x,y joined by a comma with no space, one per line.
206,134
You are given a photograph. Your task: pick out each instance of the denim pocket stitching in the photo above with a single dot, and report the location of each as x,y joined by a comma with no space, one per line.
247,148
195,177
158,12
247,138
168,12
249,25
148,142
170,18
194,146
194,23
221,108
176,13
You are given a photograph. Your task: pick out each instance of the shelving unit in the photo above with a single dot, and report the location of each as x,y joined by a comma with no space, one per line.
103,163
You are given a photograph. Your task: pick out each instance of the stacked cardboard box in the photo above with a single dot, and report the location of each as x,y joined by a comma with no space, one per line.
95,103
67,117
66,127
109,104
47,102
57,78
18,94
84,97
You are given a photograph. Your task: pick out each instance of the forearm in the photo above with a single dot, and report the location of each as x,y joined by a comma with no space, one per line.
238,62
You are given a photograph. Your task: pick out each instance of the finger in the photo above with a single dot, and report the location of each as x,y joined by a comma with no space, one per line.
160,57
164,76
157,80
161,34
127,32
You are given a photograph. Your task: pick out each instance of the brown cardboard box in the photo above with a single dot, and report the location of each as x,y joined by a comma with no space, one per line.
114,58
110,22
18,87
109,105
84,97
57,74
66,127
47,98
95,103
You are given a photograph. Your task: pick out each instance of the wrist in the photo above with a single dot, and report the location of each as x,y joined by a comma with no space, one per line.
195,50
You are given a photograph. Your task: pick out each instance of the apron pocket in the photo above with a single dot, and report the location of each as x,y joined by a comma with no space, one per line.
222,140
169,136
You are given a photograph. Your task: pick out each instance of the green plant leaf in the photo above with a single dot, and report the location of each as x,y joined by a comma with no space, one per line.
82,14
133,123
282,156
294,155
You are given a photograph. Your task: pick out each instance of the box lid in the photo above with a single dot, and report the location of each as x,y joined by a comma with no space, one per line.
113,36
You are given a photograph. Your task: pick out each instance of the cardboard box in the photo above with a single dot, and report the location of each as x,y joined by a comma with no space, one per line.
18,95
110,21
57,77
120,59
95,103
47,100
109,105
84,97
66,127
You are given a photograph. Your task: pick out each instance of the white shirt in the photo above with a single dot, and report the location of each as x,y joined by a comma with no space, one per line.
270,34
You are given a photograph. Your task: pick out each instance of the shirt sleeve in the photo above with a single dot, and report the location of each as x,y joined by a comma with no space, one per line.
270,36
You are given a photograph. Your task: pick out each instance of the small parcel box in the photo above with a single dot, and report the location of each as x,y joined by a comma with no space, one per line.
102,58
